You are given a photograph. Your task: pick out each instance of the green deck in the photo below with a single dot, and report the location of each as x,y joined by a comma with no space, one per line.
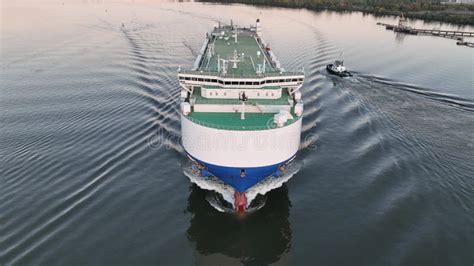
283,100
224,49
232,121
246,43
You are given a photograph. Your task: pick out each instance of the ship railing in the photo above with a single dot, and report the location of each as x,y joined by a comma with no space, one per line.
247,76
269,125
238,102
199,78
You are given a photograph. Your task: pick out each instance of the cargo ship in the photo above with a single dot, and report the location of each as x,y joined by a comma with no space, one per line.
241,111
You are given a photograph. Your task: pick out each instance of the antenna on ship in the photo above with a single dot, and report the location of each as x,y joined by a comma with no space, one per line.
243,98
211,51
235,36
235,59
259,69
258,28
224,66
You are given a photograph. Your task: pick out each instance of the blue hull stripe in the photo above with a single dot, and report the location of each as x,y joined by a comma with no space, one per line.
231,175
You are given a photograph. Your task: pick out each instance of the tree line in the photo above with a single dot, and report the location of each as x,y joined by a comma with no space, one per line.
426,10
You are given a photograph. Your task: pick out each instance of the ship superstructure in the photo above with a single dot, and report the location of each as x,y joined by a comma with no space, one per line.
241,112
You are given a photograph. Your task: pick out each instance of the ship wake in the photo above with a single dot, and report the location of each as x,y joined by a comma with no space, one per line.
221,195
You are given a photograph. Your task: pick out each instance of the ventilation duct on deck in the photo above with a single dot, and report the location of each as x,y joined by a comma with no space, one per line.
299,109
185,108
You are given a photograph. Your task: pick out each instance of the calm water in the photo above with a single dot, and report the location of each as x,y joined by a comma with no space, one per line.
92,169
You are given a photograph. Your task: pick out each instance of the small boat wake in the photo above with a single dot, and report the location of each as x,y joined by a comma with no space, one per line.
221,196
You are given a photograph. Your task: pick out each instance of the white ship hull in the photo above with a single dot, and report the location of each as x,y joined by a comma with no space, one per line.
229,154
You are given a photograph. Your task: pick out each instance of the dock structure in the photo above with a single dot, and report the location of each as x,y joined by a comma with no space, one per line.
445,32
462,42
433,32
404,28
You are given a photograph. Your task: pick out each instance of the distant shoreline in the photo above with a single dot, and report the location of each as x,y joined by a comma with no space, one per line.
462,14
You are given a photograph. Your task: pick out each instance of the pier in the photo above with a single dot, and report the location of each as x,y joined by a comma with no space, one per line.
433,32
469,44
451,34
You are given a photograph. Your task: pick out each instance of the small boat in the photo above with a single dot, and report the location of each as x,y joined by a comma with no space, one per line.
338,69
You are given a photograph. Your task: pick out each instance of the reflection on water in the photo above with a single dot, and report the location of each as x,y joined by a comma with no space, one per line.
260,238
400,37
89,136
